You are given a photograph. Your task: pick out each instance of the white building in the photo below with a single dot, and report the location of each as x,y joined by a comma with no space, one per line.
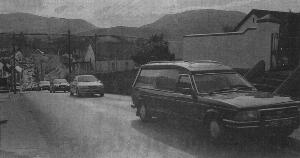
255,38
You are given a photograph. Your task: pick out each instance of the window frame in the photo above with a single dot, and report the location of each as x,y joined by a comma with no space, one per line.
155,87
191,82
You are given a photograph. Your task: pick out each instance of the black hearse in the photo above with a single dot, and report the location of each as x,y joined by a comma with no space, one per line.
214,95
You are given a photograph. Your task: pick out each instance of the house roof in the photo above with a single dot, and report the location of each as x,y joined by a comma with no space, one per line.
269,18
281,16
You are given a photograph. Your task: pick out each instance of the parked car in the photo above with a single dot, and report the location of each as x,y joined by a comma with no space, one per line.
33,87
215,96
59,85
4,85
86,84
44,85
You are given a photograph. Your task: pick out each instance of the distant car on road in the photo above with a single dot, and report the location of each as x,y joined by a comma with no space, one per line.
34,86
59,85
86,84
4,85
44,85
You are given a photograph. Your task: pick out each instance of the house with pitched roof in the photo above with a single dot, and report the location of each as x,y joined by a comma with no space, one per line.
110,54
271,36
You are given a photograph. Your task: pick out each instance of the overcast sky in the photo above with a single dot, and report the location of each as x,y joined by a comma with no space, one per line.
106,13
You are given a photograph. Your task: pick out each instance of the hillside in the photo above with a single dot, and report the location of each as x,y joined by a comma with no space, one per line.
24,22
196,22
175,26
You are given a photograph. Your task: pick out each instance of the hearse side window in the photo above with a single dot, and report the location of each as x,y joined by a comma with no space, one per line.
167,79
147,78
164,79
183,82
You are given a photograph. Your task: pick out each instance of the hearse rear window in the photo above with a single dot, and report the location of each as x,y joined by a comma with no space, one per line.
164,79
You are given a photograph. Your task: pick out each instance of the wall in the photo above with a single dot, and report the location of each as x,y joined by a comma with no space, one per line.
114,65
237,49
175,47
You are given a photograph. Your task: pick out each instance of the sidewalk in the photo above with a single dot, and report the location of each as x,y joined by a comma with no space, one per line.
20,136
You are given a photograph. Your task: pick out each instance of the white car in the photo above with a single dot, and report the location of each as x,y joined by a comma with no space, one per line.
86,84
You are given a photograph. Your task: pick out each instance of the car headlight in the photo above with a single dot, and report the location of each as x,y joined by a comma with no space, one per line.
245,116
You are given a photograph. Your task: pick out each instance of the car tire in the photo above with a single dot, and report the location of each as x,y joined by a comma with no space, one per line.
283,134
215,130
102,94
144,113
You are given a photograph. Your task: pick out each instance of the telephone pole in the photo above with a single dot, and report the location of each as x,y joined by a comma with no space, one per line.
69,50
14,64
95,53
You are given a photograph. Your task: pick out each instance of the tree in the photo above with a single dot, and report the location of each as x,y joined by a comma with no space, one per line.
153,49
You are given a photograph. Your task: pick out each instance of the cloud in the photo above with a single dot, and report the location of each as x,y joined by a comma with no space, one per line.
21,5
60,9
132,12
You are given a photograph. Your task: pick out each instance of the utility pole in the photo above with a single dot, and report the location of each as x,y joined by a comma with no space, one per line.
14,63
69,50
42,76
95,53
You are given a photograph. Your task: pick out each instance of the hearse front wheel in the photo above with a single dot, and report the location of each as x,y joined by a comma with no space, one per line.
215,130
284,134
144,113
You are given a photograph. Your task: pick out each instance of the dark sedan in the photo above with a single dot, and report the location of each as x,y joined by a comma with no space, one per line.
59,85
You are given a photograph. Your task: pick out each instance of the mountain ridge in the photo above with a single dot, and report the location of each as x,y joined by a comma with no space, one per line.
175,26
30,23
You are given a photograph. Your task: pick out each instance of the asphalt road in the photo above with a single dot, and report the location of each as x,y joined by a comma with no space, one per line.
90,127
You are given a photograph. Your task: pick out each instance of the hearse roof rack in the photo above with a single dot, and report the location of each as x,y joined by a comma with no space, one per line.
151,62
205,61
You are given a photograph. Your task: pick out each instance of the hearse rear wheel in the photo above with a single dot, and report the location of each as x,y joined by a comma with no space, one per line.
144,113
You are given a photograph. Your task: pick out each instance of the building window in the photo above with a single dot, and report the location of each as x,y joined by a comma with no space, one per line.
253,20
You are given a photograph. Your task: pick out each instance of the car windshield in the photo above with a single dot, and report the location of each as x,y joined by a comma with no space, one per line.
211,83
87,79
60,81
44,82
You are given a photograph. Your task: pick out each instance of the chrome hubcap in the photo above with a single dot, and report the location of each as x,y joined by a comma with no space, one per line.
214,129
